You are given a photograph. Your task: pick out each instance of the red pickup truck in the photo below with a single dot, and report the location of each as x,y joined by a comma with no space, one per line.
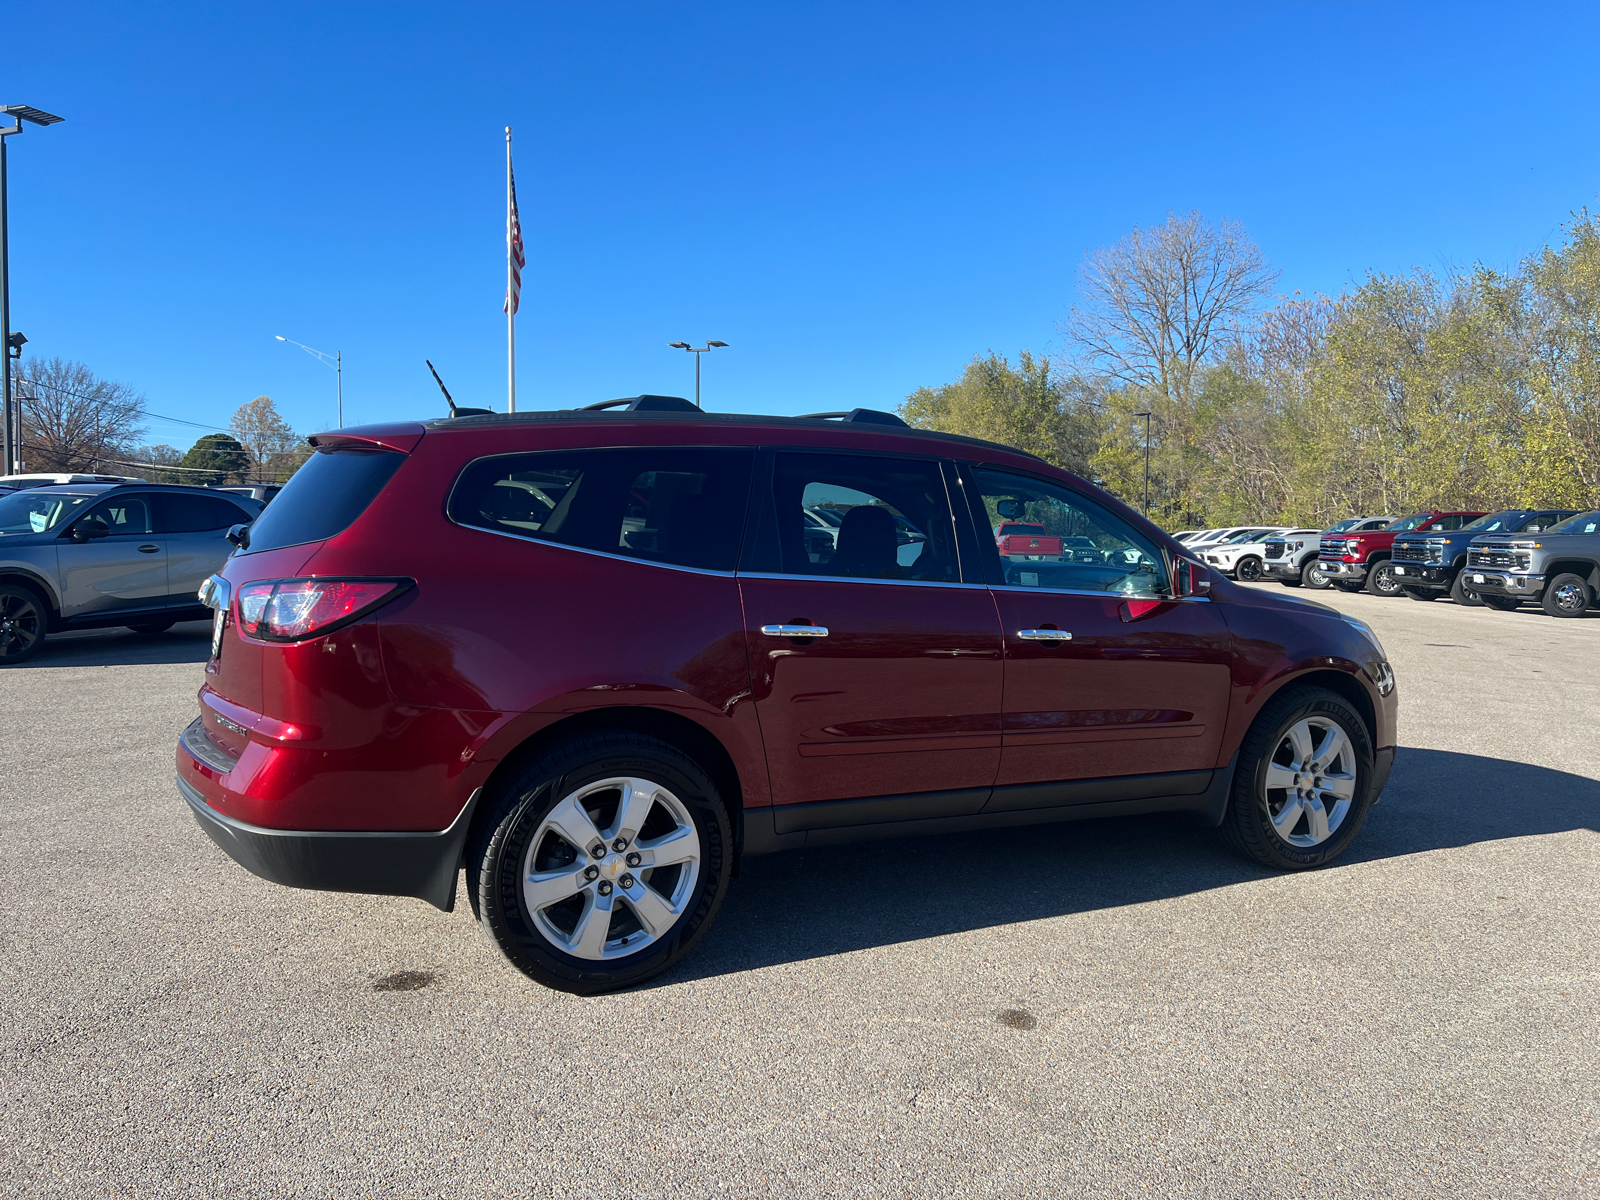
1018,539
1352,561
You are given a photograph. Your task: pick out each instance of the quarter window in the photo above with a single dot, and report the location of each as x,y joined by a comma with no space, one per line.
858,516
1086,548
678,505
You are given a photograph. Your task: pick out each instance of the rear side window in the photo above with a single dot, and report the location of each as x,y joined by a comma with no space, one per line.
179,513
323,497
682,505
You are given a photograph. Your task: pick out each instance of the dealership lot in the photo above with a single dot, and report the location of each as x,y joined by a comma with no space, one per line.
1102,1009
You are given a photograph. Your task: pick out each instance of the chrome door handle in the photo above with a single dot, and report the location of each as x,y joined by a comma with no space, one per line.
149,549
801,631
1044,635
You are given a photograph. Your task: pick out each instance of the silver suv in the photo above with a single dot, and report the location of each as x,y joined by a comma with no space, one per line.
91,555
1559,567
1291,558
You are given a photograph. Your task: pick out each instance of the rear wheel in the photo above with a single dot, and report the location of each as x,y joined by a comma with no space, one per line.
1301,790
1419,594
23,623
1248,569
1462,594
1501,603
1381,580
600,864
1567,596
152,627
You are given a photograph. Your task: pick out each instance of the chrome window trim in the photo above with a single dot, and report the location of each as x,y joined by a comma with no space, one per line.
549,545
860,579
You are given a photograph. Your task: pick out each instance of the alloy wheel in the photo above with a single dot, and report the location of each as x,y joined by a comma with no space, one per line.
611,868
1570,597
1249,569
21,625
1310,782
1383,580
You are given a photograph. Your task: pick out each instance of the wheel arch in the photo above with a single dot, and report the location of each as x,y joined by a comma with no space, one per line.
36,584
1584,568
1342,684
674,728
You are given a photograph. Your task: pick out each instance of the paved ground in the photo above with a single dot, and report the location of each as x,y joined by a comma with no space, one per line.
1110,1009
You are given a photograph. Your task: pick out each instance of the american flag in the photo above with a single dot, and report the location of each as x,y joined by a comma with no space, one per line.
514,249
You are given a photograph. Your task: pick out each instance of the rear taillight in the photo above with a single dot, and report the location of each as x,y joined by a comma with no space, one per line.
290,610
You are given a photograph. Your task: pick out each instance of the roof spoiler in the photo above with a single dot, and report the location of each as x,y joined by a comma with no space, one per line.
861,416
645,404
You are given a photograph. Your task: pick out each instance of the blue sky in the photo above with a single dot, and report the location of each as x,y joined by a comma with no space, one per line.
857,198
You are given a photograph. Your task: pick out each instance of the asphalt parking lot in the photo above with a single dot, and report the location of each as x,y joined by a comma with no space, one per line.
1101,1009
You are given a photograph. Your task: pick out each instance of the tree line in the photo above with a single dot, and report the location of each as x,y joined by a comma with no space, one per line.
1478,388
74,421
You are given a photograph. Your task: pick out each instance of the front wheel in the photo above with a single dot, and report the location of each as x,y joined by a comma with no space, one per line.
1248,569
1313,576
1302,787
1381,580
601,863
1462,594
22,624
1567,596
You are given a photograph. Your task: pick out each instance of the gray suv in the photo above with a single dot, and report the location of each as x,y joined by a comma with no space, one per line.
91,555
1558,567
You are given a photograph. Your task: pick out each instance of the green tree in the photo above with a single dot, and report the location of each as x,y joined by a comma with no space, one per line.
216,458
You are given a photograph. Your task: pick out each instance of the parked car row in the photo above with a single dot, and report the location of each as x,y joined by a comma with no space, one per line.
1547,556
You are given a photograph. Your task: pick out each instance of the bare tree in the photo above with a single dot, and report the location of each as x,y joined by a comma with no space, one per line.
73,420
263,434
1162,301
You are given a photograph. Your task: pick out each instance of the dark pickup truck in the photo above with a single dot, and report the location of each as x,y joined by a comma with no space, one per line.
1429,564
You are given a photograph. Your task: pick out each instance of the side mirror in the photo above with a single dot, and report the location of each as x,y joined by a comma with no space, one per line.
1010,508
90,528
239,536
1189,579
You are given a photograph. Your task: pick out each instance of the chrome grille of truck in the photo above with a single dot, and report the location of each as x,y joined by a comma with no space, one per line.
1273,550
1496,558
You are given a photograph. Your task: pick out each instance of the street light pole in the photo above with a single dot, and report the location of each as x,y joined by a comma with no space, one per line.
334,360
1146,417
11,424
706,349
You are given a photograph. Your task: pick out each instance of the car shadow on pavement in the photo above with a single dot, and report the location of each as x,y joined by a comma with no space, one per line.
185,642
813,903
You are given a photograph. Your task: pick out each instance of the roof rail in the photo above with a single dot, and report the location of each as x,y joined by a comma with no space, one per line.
646,404
861,416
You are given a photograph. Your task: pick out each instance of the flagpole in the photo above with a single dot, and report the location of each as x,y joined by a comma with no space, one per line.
511,316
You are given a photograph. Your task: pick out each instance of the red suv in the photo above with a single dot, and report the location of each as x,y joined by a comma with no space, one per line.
594,657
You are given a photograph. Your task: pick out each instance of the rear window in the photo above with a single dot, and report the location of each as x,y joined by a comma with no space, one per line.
323,497
682,505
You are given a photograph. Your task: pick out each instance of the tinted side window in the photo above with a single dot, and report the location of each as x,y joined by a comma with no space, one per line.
672,504
858,516
180,513
323,497
1448,523
1098,552
125,515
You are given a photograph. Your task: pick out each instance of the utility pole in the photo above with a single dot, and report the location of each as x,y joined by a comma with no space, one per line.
1146,417
11,422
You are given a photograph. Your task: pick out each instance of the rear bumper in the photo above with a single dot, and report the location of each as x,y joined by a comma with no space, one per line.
423,865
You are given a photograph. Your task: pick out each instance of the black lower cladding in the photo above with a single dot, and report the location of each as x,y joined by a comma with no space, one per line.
423,865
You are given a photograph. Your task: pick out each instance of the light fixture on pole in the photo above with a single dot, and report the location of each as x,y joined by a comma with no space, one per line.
706,349
1146,416
334,360
10,426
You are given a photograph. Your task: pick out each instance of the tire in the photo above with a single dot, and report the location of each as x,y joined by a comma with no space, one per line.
24,621
1248,569
1462,594
152,627
1567,595
1419,594
1249,824
1311,575
566,788
1381,580
1501,603
1343,586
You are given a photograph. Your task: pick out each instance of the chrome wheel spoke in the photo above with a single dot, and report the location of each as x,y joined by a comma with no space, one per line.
589,938
681,845
1288,817
654,913
1334,745
1316,820
544,888
1341,786
1301,738
1281,777
638,798
569,820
